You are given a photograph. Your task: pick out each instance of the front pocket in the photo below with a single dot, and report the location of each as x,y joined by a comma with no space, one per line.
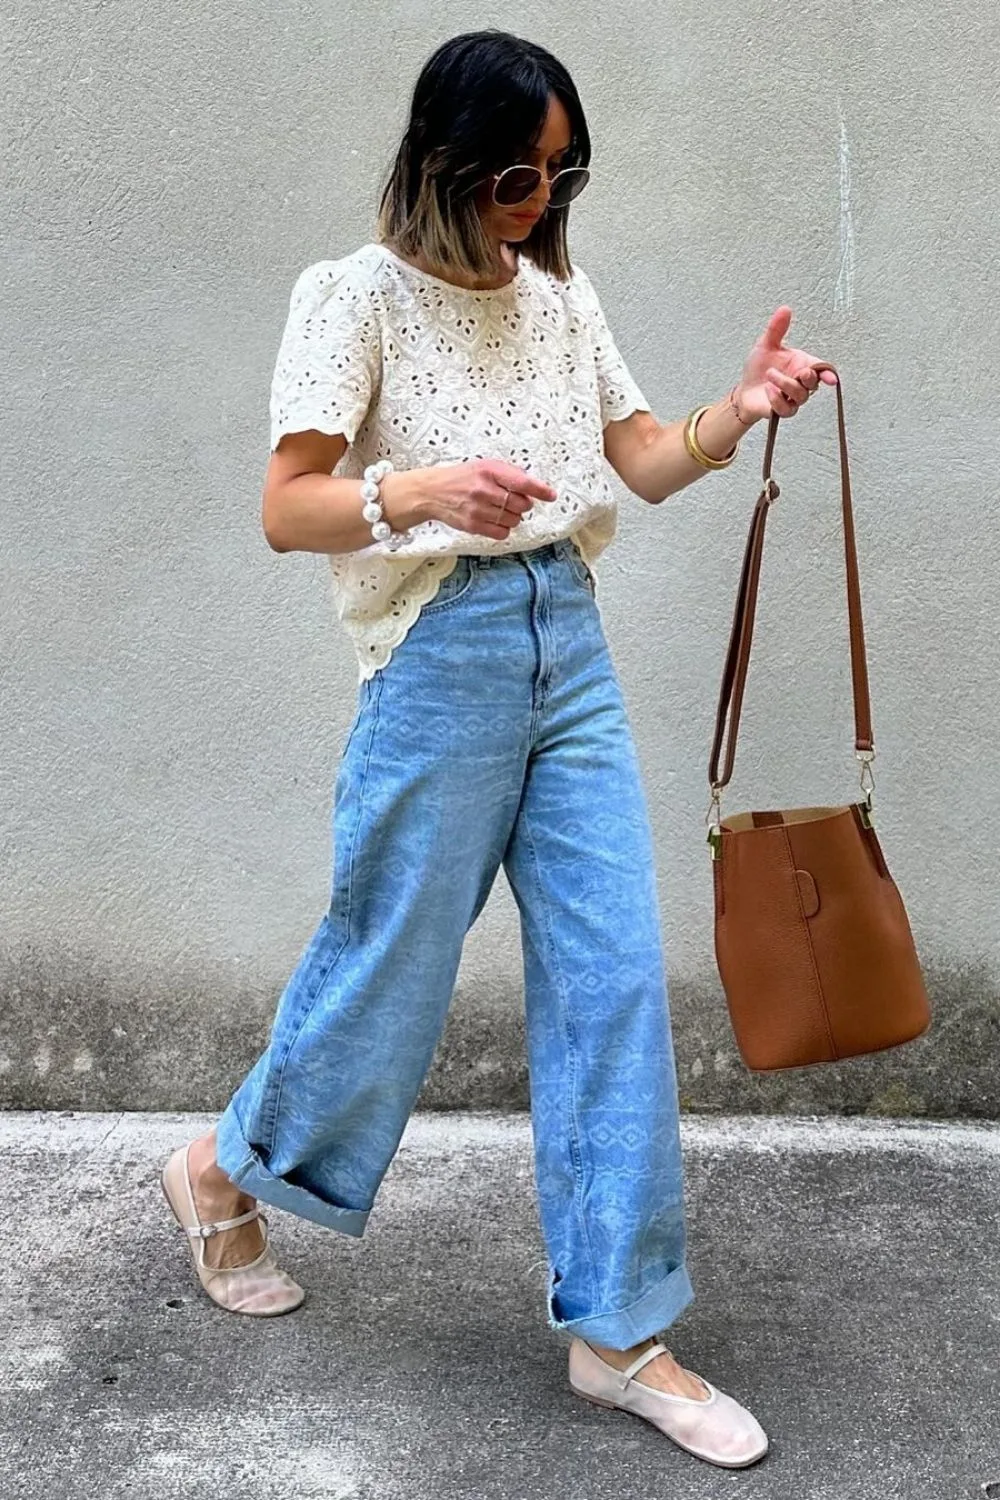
452,587
580,570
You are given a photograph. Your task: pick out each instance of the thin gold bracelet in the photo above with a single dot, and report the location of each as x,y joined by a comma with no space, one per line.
695,449
735,409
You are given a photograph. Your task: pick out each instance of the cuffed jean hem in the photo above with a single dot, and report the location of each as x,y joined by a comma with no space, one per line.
242,1165
654,1311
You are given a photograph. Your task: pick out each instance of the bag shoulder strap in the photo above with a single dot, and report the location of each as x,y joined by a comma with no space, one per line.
734,675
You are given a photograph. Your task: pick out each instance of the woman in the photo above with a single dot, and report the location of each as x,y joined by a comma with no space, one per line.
460,378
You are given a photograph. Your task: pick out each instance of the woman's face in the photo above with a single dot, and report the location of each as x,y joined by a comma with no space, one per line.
516,223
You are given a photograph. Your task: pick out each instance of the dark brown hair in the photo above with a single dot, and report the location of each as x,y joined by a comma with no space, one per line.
481,100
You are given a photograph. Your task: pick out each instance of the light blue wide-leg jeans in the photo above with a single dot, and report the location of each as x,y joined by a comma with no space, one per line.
496,735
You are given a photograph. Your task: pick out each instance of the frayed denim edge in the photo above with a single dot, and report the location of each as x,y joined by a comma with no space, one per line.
652,1312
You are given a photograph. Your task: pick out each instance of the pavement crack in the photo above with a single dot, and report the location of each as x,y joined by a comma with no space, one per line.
105,1138
96,1150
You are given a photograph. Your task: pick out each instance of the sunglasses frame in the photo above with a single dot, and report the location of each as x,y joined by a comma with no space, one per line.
541,177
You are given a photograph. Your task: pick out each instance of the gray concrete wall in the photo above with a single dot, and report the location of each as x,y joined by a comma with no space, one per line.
174,697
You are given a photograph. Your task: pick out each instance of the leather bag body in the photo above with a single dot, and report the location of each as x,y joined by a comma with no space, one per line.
812,939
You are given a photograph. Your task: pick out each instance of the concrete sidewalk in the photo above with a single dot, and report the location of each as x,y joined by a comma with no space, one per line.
848,1289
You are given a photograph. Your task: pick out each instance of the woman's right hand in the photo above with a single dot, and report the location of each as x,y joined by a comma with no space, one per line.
487,496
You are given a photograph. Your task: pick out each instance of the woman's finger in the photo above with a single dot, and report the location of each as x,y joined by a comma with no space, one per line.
802,367
783,405
792,386
787,382
515,479
514,502
501,511
487,519
806,375
777,327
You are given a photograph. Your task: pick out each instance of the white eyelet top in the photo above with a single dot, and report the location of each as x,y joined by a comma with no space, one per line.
414,369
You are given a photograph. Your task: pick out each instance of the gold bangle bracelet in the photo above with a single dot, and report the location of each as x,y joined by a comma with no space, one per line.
695,449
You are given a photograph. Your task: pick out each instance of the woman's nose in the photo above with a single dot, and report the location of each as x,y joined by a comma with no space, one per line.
541,193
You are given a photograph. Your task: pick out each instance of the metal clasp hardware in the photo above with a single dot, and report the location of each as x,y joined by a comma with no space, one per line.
867,778
714,820
770,492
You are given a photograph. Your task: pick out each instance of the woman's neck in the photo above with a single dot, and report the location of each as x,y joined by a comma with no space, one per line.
506,270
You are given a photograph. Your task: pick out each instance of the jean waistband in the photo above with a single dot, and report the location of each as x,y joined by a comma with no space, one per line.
548,552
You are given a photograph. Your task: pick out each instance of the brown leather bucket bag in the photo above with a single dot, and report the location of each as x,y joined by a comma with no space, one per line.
813,942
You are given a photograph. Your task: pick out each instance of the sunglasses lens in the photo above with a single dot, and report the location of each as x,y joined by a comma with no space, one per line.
515,185
567,185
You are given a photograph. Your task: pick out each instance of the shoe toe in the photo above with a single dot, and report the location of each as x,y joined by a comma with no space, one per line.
262,1291
728,1434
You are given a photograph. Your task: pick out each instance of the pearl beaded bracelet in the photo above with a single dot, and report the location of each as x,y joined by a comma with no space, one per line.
372,509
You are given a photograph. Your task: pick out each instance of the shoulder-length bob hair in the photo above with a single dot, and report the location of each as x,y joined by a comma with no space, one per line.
480,101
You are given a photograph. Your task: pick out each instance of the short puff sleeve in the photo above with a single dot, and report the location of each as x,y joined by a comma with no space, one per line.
329,360
620,395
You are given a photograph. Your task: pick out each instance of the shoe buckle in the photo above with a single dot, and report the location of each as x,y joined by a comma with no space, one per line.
208,1230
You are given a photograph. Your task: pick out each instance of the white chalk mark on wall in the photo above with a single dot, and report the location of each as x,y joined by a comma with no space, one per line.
843,294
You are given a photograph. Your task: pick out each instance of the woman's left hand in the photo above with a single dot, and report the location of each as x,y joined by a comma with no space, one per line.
777,379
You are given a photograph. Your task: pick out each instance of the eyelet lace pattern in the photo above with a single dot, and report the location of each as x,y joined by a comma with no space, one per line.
410,368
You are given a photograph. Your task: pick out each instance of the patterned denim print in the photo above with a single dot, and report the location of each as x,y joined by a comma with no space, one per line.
496,735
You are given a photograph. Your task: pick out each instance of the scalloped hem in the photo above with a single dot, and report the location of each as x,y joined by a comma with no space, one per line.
419,588
374,655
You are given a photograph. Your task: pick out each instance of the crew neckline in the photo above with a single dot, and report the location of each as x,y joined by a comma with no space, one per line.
452,286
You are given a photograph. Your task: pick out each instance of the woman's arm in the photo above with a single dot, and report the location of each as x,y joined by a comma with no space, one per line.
651,457
308,509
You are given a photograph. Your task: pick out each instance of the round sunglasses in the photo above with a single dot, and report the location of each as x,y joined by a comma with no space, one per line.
516,185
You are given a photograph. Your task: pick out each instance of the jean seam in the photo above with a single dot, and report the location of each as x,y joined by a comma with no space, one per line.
576,1155
578,566
355,724
328,970
435,604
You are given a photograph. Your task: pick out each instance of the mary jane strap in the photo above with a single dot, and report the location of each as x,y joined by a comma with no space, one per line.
624,1376
207,1231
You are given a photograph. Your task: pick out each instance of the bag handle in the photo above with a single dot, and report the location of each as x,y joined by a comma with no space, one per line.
734,675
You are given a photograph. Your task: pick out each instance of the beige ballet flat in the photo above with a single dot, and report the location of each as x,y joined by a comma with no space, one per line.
259,1289
718,1430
